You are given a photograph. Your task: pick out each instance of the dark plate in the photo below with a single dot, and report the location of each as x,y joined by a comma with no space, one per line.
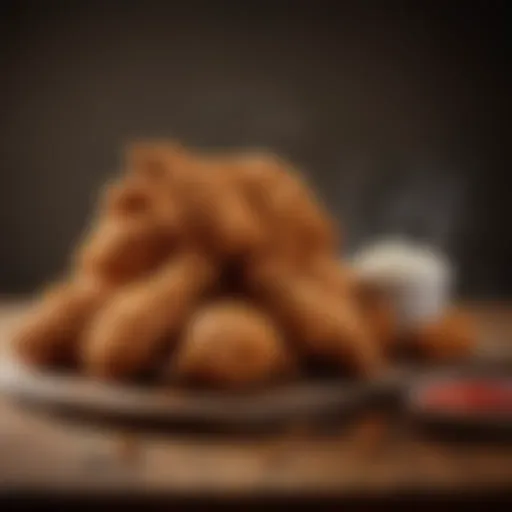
306,399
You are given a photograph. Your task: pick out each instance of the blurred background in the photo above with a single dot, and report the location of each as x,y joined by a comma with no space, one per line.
398,113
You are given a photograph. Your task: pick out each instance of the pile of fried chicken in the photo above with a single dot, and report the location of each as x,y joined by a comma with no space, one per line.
223,268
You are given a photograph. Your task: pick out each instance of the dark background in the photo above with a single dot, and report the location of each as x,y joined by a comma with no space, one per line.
399,113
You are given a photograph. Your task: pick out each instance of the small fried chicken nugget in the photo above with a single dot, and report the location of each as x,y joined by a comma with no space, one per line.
231,344
323,324
450,338
51,332
128,332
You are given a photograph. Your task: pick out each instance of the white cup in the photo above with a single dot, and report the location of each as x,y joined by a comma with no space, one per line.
417,279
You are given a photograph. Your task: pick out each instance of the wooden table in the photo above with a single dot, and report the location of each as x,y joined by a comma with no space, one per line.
376,456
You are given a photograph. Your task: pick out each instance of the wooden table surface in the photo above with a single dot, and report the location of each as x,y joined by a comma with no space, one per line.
377,454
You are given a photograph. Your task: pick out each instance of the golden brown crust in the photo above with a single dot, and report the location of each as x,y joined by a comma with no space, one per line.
231,344
321,323
128,332
298,226
451,337
377,309
51,332
120,251
222,219
242,232
333,274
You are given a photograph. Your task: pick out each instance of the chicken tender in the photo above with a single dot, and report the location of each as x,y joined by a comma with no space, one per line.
221,216
322,323
217,216
231,344
120,251
243,232
298,225
306,227
333,275
51,332
124,338
138,225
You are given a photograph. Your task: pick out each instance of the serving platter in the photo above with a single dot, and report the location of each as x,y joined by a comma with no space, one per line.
304,399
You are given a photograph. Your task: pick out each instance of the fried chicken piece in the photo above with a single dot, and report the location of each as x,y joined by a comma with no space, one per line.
333,275
221,216
138,225
181,227
306,228
323,324
298,224
129,331
137,197
451,337
159,161
52,330
378,312
218,217
241,203
231,344
120,251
